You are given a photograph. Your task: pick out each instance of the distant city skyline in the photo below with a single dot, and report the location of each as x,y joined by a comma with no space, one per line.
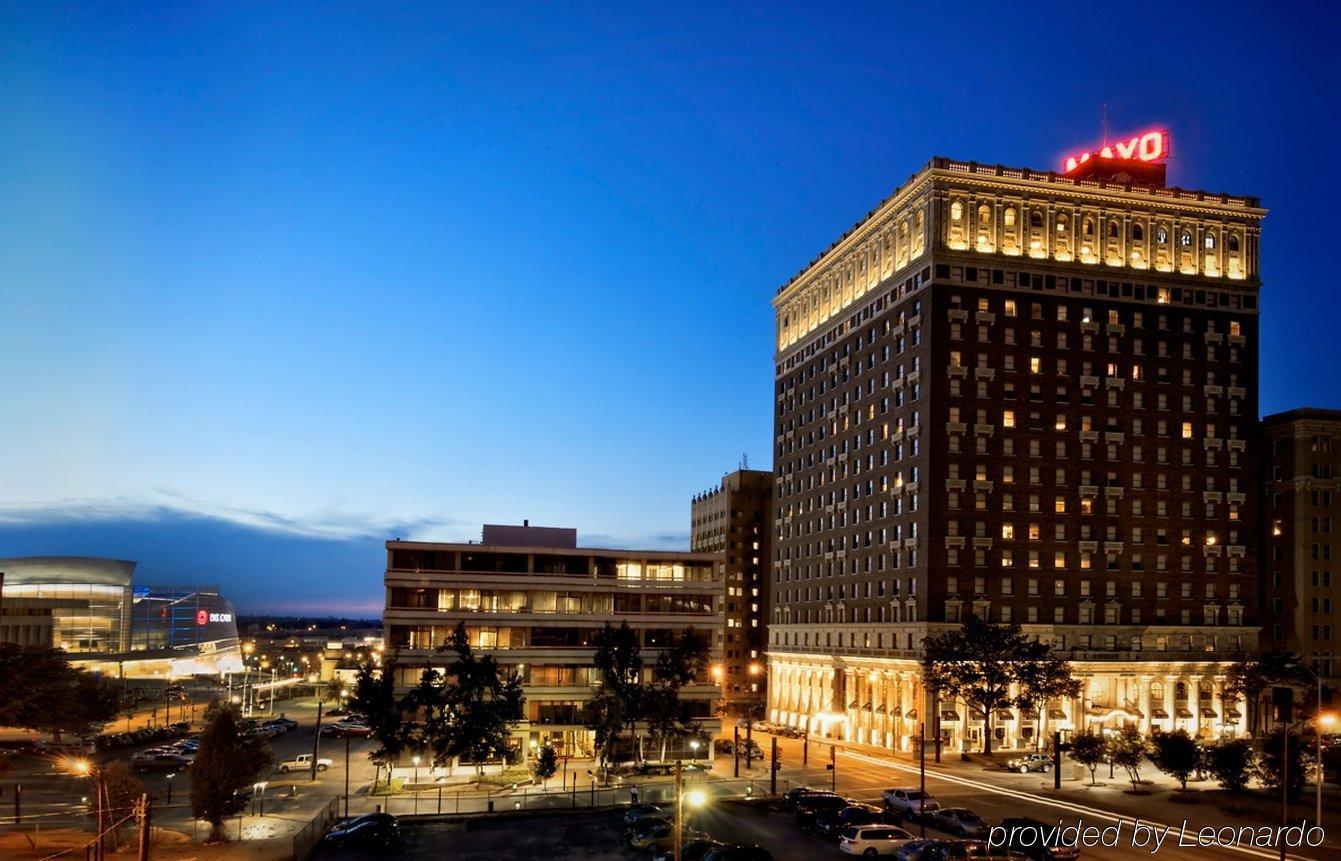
281,285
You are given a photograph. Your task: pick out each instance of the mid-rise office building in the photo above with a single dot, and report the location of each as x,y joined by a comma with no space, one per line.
1301,507
1030,396
535,600
735,520
76,603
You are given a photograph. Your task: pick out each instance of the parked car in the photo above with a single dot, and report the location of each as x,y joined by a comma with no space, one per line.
287,721
1031,762
960,821
373,834
811,807
158,761
1038,840
832,824
639,811
646,825
873,840
914,850
662,835
303,762
693,850
738,852
959,850
910,801
793,796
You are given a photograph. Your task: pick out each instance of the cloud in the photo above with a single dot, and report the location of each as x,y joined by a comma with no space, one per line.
166,505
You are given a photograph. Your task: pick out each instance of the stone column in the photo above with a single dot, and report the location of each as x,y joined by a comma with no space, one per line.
1194,702
1143,699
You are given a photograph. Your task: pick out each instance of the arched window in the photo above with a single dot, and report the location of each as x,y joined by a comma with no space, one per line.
1087,227
1061,224
1035,219
1112,230
956,211
1233,243
984,214
1010,216
1185,239
1209,239
1137,233
1161,235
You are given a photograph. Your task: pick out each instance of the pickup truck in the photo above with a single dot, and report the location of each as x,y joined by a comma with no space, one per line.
303,762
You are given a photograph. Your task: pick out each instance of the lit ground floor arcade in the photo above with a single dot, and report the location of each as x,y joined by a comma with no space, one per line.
882,703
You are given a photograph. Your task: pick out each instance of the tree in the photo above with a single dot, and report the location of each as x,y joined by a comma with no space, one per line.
123,790
485,705
1040,682
225,763
1128,749
1089,749
1270,765
1231,763
980,662
605,717
1176,754
374,700
546,764
682,662
331,692
618,657
1253,676
40,690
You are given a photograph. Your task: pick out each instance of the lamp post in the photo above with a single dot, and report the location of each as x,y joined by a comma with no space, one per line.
169,776
415,760
259,786
693,746
694,798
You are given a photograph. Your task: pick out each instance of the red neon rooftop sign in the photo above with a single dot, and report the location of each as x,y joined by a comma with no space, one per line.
1148,147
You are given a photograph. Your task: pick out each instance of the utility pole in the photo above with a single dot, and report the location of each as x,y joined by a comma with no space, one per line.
144,827
1056,760
735,755
833,768
347,781
774,764
749,743
316,744
98,847
922,769
679,806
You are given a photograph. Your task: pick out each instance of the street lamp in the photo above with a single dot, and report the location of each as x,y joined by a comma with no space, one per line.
694,798
259,787
693,745
415,760
169,776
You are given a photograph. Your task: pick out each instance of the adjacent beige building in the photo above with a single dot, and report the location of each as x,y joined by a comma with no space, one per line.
534,600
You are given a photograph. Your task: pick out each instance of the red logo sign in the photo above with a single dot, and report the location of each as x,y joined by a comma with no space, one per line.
1148,147
202,617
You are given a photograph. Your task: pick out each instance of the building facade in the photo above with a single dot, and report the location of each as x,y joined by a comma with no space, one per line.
76,603
536,603
1301,451
1030,397
735,521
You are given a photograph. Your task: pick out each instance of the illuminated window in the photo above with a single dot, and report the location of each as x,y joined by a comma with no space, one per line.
1161,235
1010,217
1235,328
956,211
1061,422
1010,307
1210,241
1035,364
1008,531
1008,419
1061,224
1185,239
984,214
1187,430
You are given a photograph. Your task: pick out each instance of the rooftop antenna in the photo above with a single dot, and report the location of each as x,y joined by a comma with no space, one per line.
744,460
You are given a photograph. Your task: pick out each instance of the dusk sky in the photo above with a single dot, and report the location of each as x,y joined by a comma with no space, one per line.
281,281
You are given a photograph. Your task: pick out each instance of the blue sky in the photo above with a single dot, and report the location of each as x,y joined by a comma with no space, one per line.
321,274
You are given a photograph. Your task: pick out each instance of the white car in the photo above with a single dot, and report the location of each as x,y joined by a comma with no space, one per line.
873,840
910,801
303,762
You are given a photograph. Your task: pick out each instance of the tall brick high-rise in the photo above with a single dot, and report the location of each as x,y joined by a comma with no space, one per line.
1031,397
736,521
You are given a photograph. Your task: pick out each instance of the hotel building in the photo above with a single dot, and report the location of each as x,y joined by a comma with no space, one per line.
1301,509
1032,397
535,600
735,520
